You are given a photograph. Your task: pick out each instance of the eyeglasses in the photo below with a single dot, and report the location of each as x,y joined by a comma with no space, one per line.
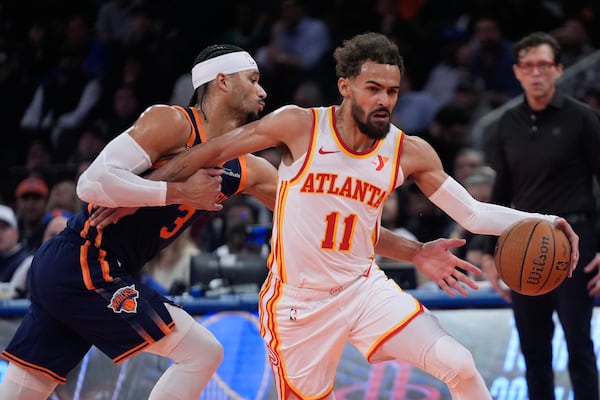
542,66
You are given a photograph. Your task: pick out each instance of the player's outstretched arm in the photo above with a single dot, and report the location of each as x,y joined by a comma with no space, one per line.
433,259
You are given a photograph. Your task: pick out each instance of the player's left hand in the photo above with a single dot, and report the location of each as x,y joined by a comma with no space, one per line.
102,216
593,285
563,225
436,261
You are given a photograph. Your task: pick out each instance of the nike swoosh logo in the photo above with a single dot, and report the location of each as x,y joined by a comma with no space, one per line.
322,151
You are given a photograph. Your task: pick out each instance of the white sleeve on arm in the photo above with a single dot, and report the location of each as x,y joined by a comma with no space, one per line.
112,179
476,216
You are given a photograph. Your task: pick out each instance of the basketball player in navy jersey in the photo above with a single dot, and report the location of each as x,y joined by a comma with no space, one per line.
84,290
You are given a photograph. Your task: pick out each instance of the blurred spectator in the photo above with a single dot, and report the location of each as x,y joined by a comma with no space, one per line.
124,110
31,199
113,23
39,155
250,28
424,219
242,239
56,223
466,161
446,133
79,35
63,196
308,94
453,69
574,41
61,105
474,102
492,61
296,52
392,218
15,260
151,54
90,143
13,146
415,109
521,17
37,56
169,270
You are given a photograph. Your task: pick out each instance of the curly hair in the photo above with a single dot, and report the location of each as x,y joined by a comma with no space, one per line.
354,52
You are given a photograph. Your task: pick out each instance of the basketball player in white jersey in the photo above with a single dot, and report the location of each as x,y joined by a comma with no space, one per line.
324,288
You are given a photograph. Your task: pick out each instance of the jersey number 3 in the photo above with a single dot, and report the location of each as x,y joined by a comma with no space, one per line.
331,226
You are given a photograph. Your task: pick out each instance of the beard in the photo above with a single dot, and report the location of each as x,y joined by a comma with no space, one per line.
252,116
372,130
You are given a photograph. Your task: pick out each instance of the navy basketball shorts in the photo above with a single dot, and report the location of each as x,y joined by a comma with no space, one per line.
118,315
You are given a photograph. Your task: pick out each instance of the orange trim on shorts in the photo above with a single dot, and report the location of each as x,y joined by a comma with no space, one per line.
139,348
261,294
165,328
420,309
85,268
104,265
33,367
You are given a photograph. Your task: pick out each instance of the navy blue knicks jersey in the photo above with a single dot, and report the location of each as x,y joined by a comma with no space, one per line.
137,238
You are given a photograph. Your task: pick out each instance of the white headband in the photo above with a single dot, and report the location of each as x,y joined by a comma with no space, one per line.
229,63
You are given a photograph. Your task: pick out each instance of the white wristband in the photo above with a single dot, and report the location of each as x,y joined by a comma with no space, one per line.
112,179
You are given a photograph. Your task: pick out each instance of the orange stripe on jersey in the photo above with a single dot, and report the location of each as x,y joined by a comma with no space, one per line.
311,148
198,123
34,368
397,180
281,196
85,268
200,127
394,330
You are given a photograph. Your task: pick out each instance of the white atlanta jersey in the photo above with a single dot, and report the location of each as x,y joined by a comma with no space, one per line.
329,203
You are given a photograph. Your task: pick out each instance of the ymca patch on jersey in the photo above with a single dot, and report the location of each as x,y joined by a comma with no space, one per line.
124,300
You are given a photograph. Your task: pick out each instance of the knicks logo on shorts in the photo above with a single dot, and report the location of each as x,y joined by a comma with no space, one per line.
124,300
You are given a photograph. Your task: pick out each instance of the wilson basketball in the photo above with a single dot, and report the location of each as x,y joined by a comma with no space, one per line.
532,257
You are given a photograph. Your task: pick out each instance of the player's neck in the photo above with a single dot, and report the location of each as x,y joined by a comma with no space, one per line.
350,133
217,122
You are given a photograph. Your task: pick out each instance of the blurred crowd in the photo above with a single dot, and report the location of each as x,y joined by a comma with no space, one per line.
76,73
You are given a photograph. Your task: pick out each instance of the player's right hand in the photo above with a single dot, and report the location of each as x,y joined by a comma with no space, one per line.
202,190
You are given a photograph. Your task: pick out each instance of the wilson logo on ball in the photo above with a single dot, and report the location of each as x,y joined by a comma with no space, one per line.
533,257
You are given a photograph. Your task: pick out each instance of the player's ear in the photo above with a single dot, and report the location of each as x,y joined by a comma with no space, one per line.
344,86
221,81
